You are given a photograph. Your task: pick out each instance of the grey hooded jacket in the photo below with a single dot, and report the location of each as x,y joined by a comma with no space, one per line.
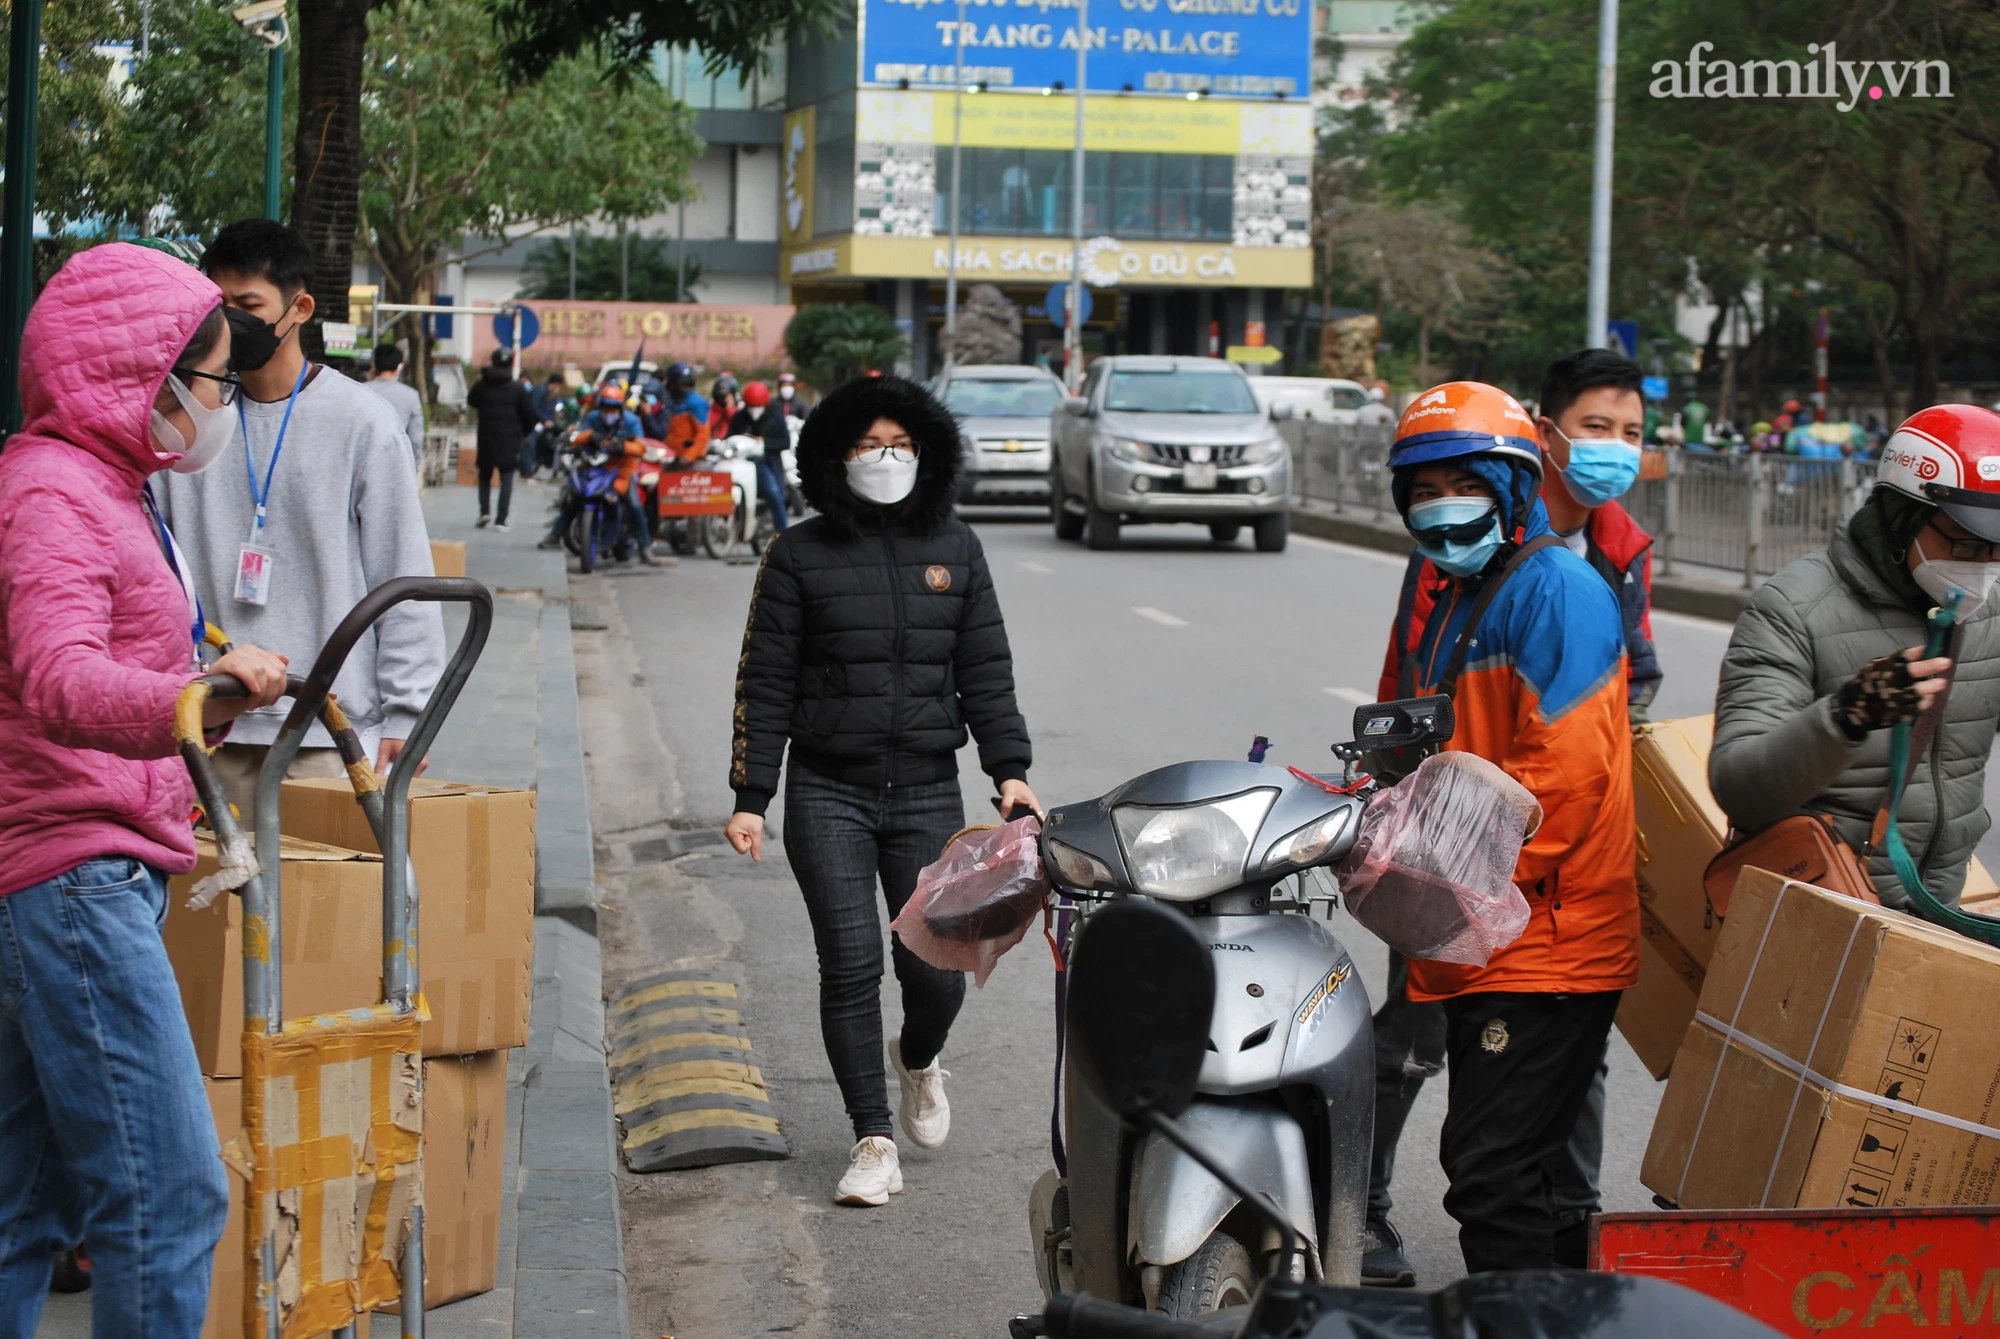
1779,752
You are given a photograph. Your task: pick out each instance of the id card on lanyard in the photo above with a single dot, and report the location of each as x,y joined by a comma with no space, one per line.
256,562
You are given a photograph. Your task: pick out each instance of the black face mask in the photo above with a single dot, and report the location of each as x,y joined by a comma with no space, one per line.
252,343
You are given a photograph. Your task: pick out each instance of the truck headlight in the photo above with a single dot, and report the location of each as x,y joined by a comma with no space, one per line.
1188,852
1125,448
1261,453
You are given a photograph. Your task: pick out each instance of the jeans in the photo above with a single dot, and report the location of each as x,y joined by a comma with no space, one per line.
1521,1069
105,1134
486,473
771,484
840,839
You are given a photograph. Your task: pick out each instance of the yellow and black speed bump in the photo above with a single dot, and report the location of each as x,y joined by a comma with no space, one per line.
688,1089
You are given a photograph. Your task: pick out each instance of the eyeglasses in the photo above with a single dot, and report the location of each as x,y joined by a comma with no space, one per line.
1969,550
232,385
869,453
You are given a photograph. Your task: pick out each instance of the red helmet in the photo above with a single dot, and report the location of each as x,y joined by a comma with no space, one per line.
756,394
611,393
1949,456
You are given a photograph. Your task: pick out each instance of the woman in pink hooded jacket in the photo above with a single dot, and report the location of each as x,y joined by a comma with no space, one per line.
105,1134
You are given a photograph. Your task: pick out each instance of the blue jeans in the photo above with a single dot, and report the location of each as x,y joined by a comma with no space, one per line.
771,484
840,839
105,1134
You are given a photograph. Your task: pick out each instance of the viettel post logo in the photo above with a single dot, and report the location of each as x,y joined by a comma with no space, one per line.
1823,75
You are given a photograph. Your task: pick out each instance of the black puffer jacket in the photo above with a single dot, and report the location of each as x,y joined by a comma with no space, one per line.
875,636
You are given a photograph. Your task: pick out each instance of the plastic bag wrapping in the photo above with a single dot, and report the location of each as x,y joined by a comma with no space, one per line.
978,900
1431,872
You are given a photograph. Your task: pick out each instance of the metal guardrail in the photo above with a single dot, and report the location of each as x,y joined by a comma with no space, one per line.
1752,514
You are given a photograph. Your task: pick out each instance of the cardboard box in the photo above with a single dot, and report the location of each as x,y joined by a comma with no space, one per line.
474,852
448,557
1835,1041
1980,893
465,1135
330,958
225,1285
468,464
1681,829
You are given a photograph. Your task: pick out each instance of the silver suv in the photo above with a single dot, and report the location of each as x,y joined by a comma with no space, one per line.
1168,439
1003,413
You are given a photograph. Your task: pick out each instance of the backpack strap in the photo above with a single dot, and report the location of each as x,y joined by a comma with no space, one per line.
1448,685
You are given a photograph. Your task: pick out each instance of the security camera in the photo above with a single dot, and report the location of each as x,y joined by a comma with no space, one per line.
265,19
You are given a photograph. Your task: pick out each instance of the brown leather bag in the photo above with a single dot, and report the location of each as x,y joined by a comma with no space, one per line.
1804,847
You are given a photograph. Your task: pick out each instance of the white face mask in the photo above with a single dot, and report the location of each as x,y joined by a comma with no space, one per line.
756,412
1974,581
214,430
785,391
884,482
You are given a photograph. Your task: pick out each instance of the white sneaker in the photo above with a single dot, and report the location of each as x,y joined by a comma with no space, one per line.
874,1175
926,1115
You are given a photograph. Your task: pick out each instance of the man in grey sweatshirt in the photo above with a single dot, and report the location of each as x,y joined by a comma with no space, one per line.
313,506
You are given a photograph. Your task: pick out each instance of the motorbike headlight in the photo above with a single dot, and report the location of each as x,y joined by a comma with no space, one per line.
1080,869
1125,448
1191,851
1309,844
1264,452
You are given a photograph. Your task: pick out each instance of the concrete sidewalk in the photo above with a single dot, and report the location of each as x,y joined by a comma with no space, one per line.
562,1259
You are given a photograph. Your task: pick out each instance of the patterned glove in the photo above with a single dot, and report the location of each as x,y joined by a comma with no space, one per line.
1880,695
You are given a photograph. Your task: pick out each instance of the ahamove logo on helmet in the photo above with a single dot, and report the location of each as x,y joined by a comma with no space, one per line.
1844,81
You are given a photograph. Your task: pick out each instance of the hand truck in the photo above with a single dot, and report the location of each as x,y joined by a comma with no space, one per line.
333,1105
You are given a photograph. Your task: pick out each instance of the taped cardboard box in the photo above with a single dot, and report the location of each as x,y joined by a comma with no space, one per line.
465,1135
448,557
1838,1060
1681,829
474,852
331,954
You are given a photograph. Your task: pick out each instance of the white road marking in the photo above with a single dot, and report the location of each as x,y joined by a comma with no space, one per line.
1354,695
1353,550
1159,616
1692,622
1038,568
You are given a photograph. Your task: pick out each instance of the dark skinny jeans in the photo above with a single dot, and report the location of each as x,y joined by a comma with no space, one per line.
486,473
840,839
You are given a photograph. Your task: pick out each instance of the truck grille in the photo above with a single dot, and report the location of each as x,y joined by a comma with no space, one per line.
1182,455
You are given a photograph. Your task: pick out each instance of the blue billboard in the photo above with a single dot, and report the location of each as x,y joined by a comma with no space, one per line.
1230,48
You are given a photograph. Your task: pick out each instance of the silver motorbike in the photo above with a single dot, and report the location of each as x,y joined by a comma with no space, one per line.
1285,1096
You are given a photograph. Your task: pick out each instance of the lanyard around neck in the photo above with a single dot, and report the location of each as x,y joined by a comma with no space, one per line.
260,499
174,562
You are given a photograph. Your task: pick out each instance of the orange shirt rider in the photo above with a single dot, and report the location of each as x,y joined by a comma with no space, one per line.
687,428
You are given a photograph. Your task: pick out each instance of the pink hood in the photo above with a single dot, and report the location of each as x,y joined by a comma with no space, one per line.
95,632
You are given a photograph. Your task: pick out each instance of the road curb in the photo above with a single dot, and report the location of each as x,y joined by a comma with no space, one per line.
1680,595
569,1270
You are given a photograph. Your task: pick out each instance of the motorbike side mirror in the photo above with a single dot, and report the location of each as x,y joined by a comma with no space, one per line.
1140,994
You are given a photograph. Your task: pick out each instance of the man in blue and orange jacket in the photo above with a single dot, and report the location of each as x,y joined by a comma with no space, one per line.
1543,695
1590,429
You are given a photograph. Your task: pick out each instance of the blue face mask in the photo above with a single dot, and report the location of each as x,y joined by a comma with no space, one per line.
1600,468
1459,535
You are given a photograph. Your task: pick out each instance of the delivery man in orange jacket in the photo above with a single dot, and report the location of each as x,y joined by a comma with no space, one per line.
1591,426
1543,695
687,414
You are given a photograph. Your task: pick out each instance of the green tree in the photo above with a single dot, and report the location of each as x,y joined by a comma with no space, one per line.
734,33
652,274
834,343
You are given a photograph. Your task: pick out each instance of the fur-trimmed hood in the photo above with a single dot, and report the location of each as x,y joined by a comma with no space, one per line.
841,419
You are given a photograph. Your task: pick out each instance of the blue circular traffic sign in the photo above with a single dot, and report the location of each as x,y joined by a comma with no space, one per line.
531,327
1057,304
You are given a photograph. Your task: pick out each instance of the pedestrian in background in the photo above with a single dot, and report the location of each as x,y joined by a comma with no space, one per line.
506,416
105,1131
402,399
874,641
757,419
313,506
1830,655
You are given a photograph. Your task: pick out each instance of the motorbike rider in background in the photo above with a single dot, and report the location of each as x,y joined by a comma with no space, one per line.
725,398
788,396
687,417
1542,694
1592,416
615,430
757,419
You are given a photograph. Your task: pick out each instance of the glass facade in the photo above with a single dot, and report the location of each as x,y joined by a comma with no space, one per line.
682,71
1140,196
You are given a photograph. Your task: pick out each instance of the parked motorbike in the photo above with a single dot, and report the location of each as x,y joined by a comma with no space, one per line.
1145,989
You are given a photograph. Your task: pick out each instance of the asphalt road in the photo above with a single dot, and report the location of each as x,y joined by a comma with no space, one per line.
1165,650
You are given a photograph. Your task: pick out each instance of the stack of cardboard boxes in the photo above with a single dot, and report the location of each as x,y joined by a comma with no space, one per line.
473,849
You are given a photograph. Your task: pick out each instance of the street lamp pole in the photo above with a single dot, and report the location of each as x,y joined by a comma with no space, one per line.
266,21
957,112
1073,300
17,213
1598,315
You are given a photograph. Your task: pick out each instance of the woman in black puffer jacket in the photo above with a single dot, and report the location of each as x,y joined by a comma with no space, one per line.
874,642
